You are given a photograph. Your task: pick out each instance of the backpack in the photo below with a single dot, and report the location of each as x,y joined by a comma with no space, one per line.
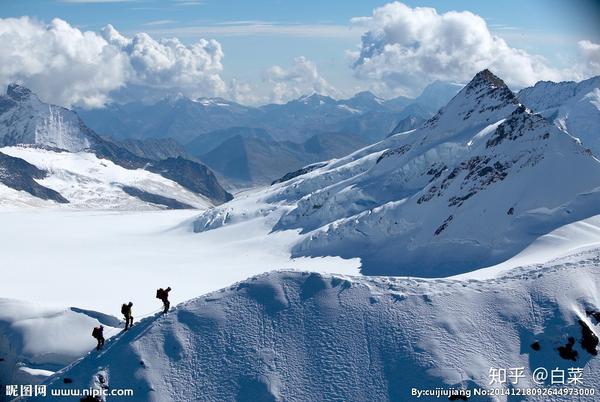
96,332
160,293
124,309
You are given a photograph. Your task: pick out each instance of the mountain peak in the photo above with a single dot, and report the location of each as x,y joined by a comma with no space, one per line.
18,92
314,99
365,95
484,100
486,77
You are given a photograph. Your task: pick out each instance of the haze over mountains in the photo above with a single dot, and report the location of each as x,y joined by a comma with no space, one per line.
226,135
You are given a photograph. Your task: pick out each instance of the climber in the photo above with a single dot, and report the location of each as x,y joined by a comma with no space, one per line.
126,311
163,294
98,333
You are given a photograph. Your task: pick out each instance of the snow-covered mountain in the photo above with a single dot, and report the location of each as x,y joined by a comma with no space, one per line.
185,119
307,337
438,93
572,106
51,155
247,160
24,119
412,204
483,180
17,175
415,202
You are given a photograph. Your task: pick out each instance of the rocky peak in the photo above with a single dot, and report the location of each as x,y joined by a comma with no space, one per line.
18,92
485,83
486,76
482,101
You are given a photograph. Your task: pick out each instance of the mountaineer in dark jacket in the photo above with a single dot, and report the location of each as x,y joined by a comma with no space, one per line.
98,334
126,311
163,294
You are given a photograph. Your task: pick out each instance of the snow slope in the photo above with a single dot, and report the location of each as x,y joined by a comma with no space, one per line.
98,260
87,181
572,106
11,198
523,179
36,339
579,236
306,337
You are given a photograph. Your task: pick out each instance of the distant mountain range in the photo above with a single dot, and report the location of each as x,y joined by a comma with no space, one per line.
185,119
205,126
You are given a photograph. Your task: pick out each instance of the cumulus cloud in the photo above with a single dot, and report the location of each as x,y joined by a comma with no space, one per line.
405,48
60,62
301,78
69,67
246,93
193,70
590,58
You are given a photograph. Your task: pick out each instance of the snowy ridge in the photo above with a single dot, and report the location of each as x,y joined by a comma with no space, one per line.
574,107
306,337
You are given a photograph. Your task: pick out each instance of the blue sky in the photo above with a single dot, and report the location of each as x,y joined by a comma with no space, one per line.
256,35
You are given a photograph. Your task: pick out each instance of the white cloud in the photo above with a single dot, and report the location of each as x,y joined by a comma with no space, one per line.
590,58
70,67
405,48
246,93
168,64
59,62
159,22
301,78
